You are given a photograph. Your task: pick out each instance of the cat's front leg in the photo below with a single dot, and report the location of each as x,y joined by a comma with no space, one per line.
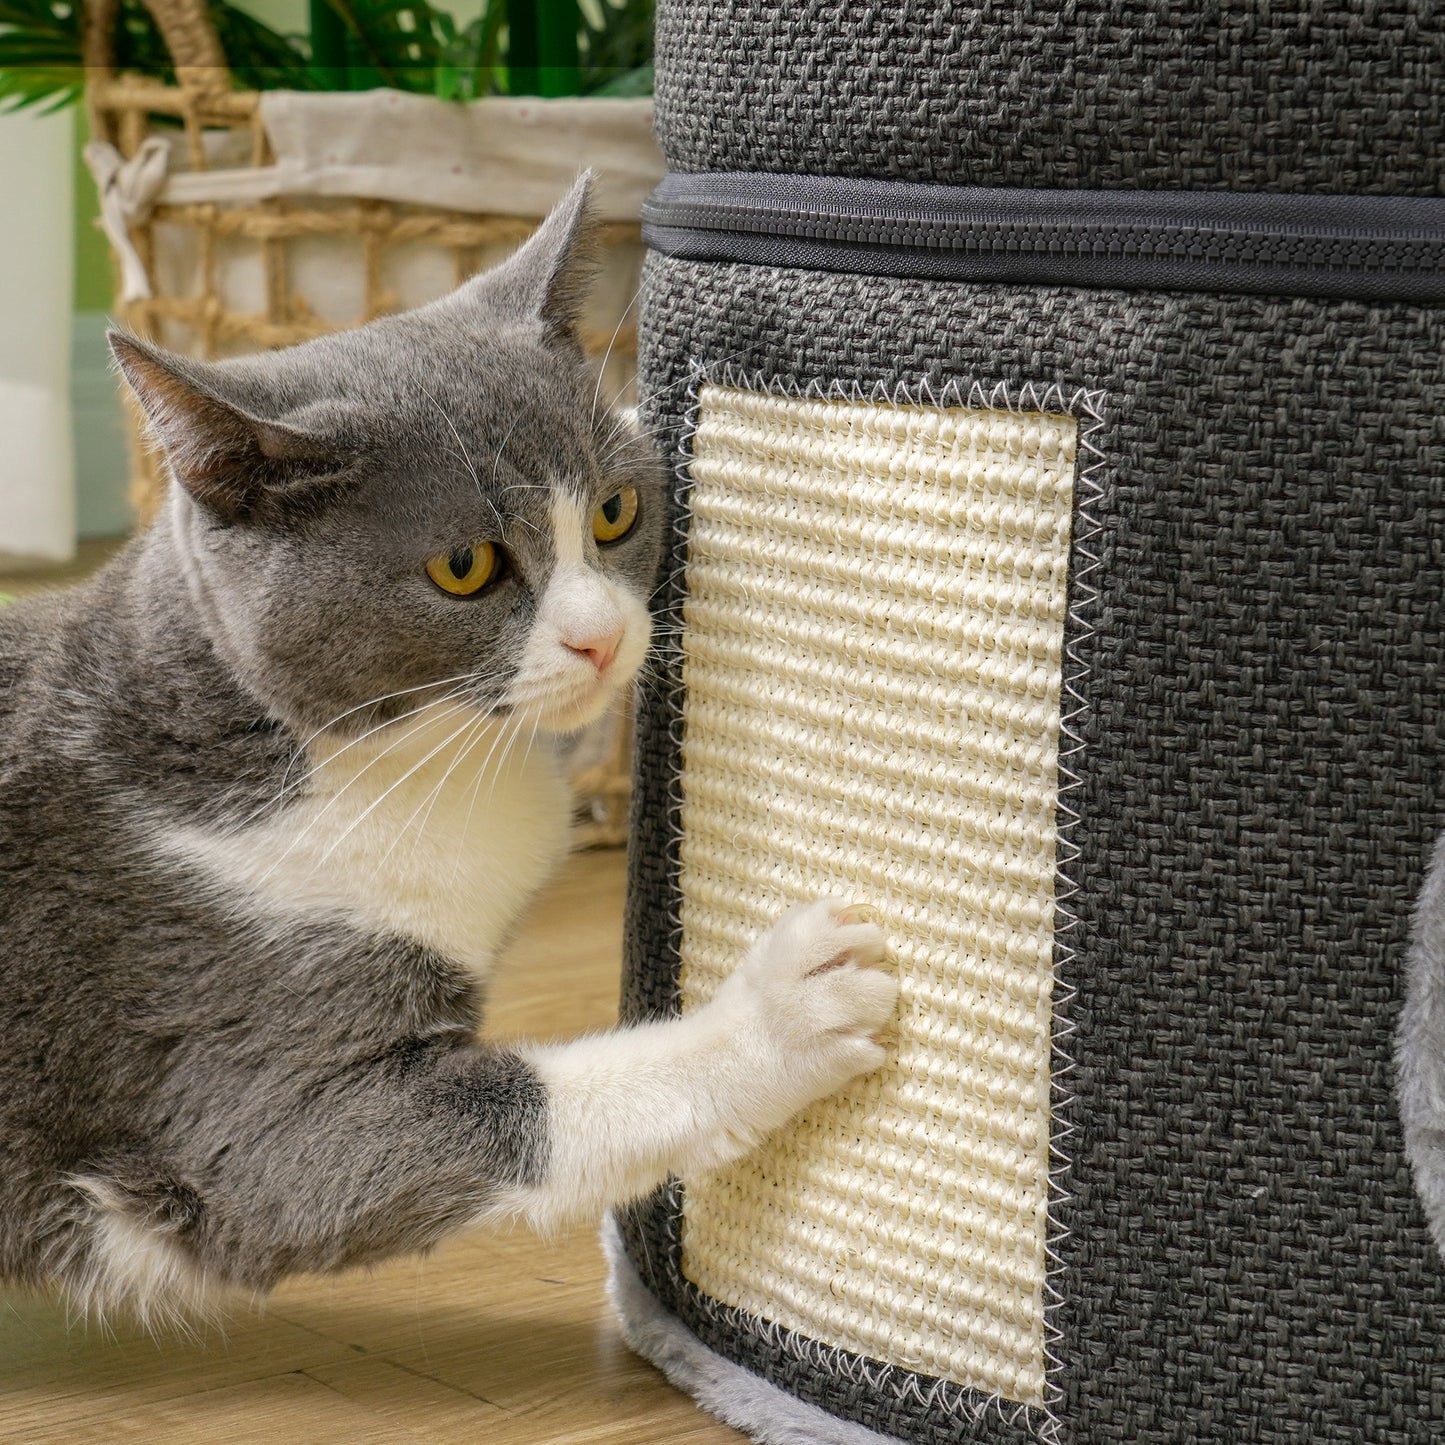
796,1021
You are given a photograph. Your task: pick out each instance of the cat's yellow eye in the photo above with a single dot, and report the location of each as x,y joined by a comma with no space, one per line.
465,570
614,518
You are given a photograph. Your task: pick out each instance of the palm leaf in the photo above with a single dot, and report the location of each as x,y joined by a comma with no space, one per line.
40,50
628,83
43,88
616,50
39,54
261,58
469,62
390,42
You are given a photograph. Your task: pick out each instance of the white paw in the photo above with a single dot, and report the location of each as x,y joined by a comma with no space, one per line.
817,991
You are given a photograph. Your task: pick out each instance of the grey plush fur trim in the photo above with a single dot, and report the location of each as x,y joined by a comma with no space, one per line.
1420,1049
736,1396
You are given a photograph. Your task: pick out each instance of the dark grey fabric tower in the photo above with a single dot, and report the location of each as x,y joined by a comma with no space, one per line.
1057,403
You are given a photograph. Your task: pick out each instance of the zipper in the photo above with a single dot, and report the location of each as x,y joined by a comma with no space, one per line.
1365,247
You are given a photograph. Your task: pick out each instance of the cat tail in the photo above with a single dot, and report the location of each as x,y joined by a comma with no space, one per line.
132,1254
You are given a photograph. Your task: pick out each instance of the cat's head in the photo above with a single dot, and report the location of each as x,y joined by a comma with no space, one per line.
437,503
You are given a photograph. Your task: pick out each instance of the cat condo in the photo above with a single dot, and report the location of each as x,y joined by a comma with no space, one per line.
1054,400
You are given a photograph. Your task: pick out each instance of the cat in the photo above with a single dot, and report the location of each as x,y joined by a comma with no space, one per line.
272,799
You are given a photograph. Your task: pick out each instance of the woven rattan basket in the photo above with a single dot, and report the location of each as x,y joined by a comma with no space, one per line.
178,260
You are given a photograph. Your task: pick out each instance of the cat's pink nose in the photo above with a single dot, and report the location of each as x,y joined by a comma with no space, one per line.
600,650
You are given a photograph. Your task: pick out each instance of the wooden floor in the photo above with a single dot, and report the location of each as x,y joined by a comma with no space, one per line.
42,577
491,1340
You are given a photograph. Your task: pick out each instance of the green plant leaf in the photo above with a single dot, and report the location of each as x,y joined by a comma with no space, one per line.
628,83
409,44
394,42
39,54
475,54
616,54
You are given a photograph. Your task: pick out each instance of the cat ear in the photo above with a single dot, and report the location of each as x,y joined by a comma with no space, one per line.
230,461
548,279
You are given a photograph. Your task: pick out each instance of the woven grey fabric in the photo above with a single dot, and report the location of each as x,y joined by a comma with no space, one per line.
1301,95
1261,779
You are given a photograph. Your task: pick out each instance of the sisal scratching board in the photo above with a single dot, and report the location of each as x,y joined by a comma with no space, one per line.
873,648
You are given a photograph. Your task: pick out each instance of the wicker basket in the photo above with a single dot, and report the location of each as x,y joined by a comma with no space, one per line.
186,250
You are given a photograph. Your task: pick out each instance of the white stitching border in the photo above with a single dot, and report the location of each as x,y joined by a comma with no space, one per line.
1088,408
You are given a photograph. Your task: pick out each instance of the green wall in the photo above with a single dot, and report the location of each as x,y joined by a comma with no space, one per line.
92,258
100,449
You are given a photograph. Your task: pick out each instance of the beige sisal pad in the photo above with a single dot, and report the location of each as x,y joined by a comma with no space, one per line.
873,650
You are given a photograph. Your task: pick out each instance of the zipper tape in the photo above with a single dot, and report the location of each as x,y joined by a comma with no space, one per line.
1377,248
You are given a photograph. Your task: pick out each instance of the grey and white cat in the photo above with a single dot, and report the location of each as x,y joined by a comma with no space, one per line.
271,799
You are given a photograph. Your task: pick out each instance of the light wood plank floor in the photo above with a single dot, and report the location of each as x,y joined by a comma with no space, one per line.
16,581
505,1339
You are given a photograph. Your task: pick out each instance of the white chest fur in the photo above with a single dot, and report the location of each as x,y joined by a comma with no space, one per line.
437,828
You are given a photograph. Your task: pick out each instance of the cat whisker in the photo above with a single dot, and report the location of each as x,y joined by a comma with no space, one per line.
502,761
505,739
481,772
602,366
627,423
383,697
527,751
615,455
628,417
653,693
625,435
494,773
636,409
465,456
378,801
353,781
293,786
456,436
407,728
689,375
288,786
413,723
429,802
516,422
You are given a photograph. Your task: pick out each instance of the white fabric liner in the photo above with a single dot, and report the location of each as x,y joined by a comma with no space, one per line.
503,156
499,156
736,1396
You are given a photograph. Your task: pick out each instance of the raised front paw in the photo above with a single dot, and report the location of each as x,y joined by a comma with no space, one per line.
821,993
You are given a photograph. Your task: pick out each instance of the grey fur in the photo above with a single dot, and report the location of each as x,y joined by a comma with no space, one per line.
273,1100
1420,1049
